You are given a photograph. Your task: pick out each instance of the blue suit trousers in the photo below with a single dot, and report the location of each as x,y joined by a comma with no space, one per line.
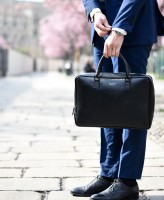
122,150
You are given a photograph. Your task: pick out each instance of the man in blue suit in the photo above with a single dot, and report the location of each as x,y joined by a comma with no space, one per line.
129,27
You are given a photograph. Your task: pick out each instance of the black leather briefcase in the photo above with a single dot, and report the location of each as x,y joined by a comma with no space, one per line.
116,100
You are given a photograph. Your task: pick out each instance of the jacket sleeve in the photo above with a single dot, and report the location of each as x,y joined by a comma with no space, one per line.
127,14
89,5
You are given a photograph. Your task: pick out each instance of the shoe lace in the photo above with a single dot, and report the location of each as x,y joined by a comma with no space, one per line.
114,186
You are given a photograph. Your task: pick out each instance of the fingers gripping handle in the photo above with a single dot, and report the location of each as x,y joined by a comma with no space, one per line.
101,64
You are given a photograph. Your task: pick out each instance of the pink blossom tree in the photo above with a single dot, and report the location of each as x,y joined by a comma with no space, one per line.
66,30
161,5
3,43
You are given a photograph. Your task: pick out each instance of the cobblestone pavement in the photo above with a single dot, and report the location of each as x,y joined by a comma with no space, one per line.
43,154
157,130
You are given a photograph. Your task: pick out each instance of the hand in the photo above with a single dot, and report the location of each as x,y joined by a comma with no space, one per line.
113,45
101,24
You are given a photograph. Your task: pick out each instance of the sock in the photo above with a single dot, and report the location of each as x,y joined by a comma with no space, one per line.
129,182
107,178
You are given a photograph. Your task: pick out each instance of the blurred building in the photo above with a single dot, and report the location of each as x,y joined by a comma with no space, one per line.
19,25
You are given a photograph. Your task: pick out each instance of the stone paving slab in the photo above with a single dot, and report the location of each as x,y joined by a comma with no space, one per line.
156,162
70,130
58,156
9,173
153,146
93,149
9,156
86,137
153,150
147,183
69,183
149,162
16,137
66,195
155,195
62,143
29,184
151,183
13,195
60,172
38,163
44,149
90,163
38,138
14,144
153,171
4,149
65,134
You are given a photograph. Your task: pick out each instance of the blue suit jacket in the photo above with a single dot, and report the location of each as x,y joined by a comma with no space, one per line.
138,17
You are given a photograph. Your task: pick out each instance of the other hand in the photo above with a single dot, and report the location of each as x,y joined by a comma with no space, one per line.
113,45
101,24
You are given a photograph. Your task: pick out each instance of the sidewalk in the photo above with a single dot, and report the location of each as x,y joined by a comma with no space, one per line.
43,154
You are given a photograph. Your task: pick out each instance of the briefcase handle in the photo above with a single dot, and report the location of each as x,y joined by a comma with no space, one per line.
124,61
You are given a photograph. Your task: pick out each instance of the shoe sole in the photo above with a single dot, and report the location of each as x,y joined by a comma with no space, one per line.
81,195
131,197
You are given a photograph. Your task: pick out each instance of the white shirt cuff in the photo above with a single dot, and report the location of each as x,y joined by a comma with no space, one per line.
120,30
93,12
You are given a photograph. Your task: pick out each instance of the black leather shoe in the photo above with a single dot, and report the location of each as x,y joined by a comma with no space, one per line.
118,191
99,184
